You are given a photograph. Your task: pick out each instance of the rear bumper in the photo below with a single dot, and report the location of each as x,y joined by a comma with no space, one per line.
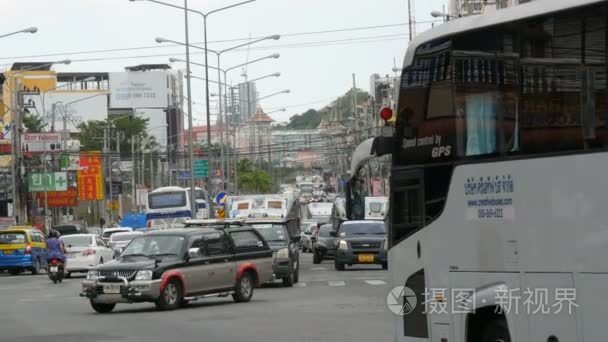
80,264
352,258
19,262
325,252
130,292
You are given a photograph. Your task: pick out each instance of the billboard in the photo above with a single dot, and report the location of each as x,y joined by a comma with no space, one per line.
157,124
59,199
90,177
73,106
41,142
148,89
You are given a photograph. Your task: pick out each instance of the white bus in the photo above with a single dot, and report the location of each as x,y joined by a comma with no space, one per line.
499,221
200,198
320,211
168,206
376,208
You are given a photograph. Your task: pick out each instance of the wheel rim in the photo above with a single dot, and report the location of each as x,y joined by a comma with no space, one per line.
171,294
245,287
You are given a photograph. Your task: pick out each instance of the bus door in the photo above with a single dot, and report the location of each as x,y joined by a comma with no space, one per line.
407,209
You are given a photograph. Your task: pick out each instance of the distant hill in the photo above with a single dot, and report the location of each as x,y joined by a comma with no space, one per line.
307,120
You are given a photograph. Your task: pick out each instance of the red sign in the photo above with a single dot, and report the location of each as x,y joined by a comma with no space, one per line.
59,199
90,177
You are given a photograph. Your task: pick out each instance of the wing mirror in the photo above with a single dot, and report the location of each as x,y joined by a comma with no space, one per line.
333,234
194,253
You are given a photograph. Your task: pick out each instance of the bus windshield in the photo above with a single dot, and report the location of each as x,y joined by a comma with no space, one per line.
163,200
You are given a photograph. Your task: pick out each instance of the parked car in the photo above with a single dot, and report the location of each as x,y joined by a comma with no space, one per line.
284,248
325,245
95,230
306,239
84,252
361,242
70,229
174,266
22,248
119,240
105,236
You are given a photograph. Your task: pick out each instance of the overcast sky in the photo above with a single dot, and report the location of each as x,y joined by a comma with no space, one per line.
316,67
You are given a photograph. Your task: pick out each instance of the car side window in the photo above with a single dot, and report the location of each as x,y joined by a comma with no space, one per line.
35,238
216,244
246,241
199,243
100,242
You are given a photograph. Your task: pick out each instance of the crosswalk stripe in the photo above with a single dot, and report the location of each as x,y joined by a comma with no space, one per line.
337,283
375,282
318,269
299,285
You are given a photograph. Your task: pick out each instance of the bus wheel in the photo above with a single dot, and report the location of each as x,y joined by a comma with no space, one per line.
496,331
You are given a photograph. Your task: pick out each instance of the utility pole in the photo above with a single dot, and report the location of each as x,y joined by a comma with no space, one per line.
409,20
118,135
18,206
106,151
133,199
356,112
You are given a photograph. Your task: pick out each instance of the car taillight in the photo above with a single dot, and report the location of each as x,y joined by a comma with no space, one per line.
87,252
55,262
28,248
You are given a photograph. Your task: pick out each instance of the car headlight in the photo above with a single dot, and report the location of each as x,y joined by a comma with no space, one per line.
144,275
92,275
283,254
343,245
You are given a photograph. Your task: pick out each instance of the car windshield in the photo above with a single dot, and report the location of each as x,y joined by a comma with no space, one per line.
362,228
12,238
326,230
272,232
67,230
155,245
77,240
375,207
122,237
107,235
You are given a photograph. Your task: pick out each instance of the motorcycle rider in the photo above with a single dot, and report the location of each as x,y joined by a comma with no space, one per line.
54,248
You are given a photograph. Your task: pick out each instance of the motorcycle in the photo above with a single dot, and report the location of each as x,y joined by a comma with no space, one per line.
55,271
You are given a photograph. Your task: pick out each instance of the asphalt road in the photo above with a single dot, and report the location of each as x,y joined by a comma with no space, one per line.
326,305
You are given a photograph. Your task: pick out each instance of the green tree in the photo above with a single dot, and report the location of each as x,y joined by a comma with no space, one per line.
253,180
91,133
308,120
32,123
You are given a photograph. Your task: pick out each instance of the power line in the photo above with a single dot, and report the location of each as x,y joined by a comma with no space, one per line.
361,28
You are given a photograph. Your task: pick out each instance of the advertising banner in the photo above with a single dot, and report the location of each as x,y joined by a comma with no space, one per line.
59,199
41,142
138,90
90,177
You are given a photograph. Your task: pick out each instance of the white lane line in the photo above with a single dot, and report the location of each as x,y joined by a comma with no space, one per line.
299,285
375,282
337,283
319,269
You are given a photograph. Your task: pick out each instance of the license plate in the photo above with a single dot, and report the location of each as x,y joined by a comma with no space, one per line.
8,251
366,258
111,288
54,269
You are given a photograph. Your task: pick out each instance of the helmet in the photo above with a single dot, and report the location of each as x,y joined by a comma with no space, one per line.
54,234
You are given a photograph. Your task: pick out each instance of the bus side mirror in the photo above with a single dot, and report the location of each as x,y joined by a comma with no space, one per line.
383,146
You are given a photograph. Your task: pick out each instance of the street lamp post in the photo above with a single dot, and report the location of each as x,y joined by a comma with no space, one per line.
207,102
225,72
17,122
27,30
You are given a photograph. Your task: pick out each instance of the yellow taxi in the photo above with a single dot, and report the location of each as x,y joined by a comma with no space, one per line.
22,248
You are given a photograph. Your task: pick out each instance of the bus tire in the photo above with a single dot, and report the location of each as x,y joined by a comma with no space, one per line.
496,331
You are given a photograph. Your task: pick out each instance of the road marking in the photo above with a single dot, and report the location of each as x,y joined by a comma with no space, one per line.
337,283
299,285
319,269
376,282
